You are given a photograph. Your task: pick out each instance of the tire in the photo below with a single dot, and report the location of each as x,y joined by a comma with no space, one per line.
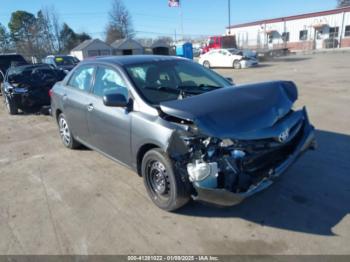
65,133
206,64
237,64
167,189
10,105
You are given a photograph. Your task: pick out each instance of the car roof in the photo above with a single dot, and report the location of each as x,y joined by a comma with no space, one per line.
133,59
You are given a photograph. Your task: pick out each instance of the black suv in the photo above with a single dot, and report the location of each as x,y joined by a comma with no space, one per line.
6,61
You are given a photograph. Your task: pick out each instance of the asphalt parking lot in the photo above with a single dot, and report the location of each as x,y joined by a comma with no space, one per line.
56,201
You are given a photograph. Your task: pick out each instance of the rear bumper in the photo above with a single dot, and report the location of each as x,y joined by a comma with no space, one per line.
224,197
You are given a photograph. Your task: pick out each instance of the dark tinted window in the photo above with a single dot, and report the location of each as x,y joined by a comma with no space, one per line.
347,30
109,81
333,32
82,78
303,35
285,36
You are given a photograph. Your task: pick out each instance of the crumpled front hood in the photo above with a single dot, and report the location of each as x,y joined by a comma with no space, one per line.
232,111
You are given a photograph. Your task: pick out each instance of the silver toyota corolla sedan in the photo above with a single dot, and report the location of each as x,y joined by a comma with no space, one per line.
189,132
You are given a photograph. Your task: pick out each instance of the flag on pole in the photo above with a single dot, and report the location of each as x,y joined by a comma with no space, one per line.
174,3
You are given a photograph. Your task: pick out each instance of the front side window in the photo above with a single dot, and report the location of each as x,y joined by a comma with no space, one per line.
172,80
82,78
303,35
109,81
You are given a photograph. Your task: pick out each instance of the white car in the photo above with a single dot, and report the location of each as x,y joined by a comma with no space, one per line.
227,58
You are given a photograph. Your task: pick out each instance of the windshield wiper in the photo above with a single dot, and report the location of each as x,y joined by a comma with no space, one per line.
210,86
164,89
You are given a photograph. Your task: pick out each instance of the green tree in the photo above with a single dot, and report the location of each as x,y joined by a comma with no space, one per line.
23,31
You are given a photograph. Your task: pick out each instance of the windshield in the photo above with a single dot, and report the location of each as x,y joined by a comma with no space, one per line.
172,80
64,60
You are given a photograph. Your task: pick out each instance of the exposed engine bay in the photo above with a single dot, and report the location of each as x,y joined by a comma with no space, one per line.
226,171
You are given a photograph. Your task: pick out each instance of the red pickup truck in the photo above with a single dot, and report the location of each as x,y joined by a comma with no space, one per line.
218,42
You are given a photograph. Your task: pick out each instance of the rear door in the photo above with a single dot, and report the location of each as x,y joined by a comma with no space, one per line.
76,101
225,58
214,58
109,127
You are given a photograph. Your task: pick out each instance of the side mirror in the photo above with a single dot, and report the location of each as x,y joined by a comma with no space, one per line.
115,100
230,80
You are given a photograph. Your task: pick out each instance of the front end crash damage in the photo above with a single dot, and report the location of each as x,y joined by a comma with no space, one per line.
225,171
29,86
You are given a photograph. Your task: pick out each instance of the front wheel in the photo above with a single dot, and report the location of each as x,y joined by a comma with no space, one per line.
10,105
237,64
166,188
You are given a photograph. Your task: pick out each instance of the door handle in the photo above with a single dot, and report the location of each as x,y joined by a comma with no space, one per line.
90,107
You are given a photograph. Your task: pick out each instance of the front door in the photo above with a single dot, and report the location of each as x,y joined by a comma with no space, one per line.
109,127
75,101
319,38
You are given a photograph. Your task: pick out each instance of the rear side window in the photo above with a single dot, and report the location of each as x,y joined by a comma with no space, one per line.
82,78
109,81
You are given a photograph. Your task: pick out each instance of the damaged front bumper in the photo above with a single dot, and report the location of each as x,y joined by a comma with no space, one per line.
31,98
224,197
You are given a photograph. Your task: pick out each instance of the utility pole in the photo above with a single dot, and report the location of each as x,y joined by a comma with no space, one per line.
229,17
181,21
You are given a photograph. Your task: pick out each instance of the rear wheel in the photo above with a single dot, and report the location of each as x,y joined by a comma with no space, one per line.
166,188
10,106
206,64
237,64
65,133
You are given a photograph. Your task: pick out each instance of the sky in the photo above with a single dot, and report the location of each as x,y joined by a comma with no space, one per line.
154,18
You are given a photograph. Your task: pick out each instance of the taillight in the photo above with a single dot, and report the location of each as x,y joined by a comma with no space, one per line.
50,93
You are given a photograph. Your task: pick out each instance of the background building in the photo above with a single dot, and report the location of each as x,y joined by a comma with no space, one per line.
327,29
91,48
127,47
